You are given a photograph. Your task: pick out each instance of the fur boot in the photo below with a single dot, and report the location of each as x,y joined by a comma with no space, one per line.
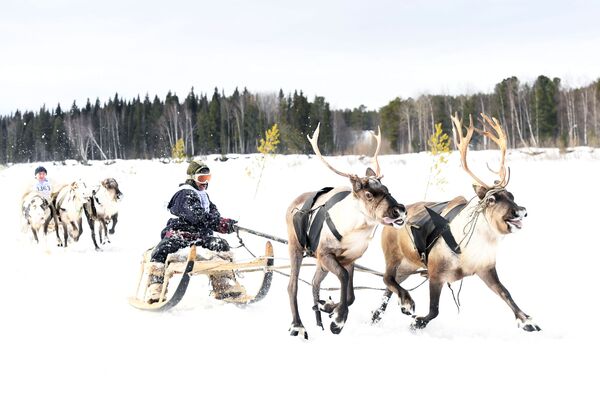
156,273
226,286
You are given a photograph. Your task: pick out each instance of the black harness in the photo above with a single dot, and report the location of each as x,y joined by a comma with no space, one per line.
427,229
309,233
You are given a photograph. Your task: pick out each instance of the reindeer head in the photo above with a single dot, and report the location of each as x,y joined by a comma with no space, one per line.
112,187
374,199
497,204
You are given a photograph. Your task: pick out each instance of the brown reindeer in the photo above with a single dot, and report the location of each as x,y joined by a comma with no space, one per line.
335,226
470,233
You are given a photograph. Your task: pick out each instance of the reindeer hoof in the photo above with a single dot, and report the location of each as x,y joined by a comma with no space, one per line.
375,317
419,323
336,328
407,305
408,310
298,330
528,325
327,306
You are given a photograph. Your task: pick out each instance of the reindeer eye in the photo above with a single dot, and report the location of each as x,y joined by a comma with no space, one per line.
491,200
369,196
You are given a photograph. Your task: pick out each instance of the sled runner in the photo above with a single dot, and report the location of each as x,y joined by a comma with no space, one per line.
202,262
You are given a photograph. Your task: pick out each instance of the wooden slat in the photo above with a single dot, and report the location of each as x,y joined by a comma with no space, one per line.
208,266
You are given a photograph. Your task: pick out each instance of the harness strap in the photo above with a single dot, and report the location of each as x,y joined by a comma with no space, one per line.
442,228
316,227
433,227
93,211
332,228
302,217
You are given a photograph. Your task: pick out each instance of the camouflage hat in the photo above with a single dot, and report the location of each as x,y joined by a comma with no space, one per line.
195,167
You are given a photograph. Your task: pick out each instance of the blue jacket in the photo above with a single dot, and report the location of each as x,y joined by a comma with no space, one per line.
190,216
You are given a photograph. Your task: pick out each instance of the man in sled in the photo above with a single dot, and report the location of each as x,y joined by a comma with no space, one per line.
196,219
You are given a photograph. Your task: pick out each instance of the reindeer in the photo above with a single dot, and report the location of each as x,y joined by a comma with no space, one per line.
68,206
102,206
478,224
37,212
335,226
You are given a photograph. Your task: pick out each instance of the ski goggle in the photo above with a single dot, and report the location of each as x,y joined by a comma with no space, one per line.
202,178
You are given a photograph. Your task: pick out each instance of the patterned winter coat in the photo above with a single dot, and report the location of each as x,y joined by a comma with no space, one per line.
42,188
192,221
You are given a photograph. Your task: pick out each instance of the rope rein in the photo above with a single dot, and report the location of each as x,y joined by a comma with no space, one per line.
242,244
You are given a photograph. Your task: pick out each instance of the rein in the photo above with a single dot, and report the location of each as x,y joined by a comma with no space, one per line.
356,266
469,228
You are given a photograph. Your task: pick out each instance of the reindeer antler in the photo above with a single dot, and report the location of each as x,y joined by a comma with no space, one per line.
501,140
315,146
375,161
463,144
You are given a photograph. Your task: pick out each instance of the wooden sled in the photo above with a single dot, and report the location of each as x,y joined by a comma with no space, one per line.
195,264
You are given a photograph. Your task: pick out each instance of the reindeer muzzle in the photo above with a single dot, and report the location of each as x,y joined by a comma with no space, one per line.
516,222
398,217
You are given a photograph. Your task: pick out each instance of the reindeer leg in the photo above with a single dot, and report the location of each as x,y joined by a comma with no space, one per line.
46,223
392,280
57,230
75,228
115,218
377,314
320,274
100,231
79,228
105,228
340,312
91,224
490,277
35,235
350,290
435,289
65,233
295,260
90,221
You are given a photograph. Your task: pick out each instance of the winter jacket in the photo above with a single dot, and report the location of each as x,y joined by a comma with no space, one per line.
191,220
43,188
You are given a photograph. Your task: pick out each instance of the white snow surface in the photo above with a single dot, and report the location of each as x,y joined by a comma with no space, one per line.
68,331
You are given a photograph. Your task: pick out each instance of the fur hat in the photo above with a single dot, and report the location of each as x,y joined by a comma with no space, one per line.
40,169
195,167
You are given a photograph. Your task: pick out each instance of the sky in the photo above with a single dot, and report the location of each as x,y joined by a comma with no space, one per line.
68,331
351,52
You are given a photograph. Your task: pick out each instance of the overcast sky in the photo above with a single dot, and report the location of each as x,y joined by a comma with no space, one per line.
350,52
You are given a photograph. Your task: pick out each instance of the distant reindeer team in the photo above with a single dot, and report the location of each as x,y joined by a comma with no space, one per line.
67,206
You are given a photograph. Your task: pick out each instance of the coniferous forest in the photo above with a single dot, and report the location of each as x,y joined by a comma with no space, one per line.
538,114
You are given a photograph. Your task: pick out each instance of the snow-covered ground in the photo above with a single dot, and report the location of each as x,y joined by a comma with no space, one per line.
68,332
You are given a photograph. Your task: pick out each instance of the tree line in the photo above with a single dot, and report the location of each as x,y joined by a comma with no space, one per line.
539,114
542,114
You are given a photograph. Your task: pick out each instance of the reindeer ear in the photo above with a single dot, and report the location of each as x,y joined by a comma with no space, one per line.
356,183
370,172
480,191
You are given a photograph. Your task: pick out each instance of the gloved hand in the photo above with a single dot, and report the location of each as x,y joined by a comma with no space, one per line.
227,225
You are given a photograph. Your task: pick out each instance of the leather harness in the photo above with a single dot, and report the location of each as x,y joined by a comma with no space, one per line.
428,227
309,233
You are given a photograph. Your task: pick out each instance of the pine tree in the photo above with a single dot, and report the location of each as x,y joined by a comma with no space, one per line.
545,108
